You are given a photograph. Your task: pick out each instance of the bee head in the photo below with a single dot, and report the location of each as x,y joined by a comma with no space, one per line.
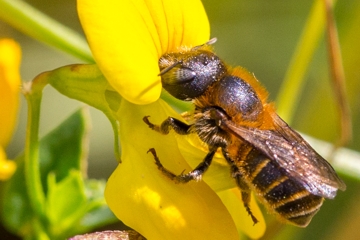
187,74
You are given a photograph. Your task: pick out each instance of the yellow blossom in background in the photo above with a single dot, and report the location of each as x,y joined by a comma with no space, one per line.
127,39
9,100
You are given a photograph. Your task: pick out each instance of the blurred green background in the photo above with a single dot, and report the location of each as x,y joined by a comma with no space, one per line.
260,35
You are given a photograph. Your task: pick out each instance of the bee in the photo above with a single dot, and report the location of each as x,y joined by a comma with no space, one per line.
232,113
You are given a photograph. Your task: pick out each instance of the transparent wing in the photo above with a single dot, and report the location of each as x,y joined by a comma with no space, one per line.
292,153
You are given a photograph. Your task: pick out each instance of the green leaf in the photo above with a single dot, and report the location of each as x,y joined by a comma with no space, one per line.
16,212
98,214
66,202
75,206
61,151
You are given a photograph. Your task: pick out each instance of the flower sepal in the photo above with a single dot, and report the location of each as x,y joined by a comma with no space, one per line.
86,83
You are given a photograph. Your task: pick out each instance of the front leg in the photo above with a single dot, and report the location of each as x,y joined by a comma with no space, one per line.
195,174
178,126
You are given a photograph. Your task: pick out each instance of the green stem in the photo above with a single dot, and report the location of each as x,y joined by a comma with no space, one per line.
294,80
33,94
338,75
34,23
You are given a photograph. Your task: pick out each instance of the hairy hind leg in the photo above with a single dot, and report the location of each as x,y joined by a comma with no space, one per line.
246,196
245,190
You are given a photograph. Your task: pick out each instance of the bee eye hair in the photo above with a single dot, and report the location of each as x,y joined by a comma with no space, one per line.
178,75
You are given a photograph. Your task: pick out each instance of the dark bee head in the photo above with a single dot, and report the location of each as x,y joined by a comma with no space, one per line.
187,74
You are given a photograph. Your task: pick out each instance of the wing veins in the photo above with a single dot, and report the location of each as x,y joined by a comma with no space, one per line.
292,153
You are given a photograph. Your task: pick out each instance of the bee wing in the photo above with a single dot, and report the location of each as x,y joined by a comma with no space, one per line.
292,153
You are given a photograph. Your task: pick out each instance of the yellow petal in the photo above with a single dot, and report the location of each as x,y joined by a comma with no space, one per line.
7,168
9,87
128,37
144,199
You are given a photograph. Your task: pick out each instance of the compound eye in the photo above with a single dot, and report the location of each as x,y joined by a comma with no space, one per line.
178,74
188,75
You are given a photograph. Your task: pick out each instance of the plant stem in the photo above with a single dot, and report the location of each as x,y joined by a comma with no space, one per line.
294,80
338,75
36,24
33,94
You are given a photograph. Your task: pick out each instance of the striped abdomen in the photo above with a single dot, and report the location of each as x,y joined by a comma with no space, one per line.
281,194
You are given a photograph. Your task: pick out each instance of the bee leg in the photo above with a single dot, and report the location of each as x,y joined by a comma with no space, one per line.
178,126
195,174
166,172
245,191
246,196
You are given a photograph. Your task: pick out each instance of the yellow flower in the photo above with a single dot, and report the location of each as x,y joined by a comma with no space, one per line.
127,38
9,100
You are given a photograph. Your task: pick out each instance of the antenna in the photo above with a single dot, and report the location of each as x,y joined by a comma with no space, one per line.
165,70
210,42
